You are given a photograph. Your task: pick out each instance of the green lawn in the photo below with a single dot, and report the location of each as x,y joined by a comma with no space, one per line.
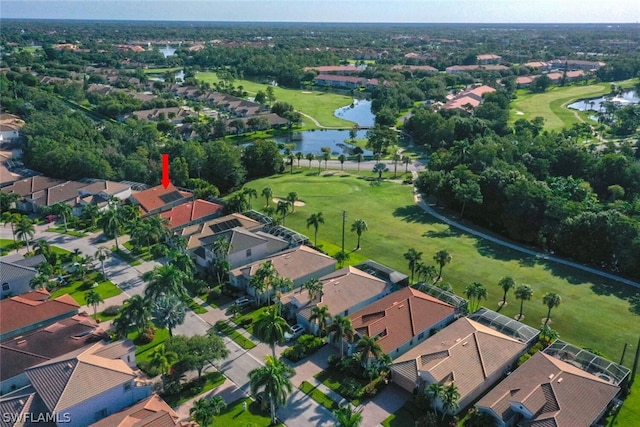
235,415
70,232
333,380
7,245
395,224
405,416
143,351
630,412
125,256
317,104
237,337
318,396
253,315
206,383
78,288
194,306
161,70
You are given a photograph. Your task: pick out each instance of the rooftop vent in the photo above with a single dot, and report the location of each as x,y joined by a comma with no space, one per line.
465,343
559,380
551,376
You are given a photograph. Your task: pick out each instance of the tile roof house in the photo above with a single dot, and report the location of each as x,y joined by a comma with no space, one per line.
191,213
470,355
16,274
489,58
344,81
25,408
152,411
299,264
159,199
470,98
87,385
343,292
401,320
546,391
33,348
39,191
33,310
195,233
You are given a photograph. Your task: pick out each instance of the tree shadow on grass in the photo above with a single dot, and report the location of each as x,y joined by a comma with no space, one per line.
442,234
411,213
619,290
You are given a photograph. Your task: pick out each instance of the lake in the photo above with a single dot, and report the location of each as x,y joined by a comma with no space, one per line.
359,112
313,141
630,97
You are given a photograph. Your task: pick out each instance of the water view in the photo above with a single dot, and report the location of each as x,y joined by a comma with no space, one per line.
630,97
313,141
359,112
167,51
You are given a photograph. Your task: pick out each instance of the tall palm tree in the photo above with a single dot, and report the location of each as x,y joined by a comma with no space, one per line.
263,279
25,230
551,300
315,288
359,226
320,315
221,247
359,159
267,193
168,311
91,213
42,247
13,219
346,416
434,392
135,312
396,158
475,292
217,404
112,221
283,209
450,398
413,256
202,412
506,283
425,272
311,157
380,168
273,379
164,280
299,156
93,299
523,293
342,158
315,219
101,254
64,210
342,257
341,328
326,156
406,160
292,198
270,328
291,158
442,257
251,193
369,347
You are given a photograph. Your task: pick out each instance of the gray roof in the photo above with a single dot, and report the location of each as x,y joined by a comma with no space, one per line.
240,239
25,401
32,261
10,272
382,271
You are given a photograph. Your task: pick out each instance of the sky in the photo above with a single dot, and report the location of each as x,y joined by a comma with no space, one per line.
408,11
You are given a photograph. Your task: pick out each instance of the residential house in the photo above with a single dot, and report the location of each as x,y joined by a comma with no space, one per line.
299,264
25,408
173,114
40,191
347,82
341,70
413,68
16,273
541,65
458,69
152,411
468,99
388,274
576,64
10,126
33,310
89,384
191,213
466,353
343,291
98,192
46,343
159,199
401,320
545,391
489,58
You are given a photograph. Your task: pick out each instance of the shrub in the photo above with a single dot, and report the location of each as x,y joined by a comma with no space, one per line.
524,358
350,388
112,310
333,361
214,294
310,343
246,322
294,353
147,335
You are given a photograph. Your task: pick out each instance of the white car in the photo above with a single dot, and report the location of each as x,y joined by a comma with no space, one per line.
243,302
296,331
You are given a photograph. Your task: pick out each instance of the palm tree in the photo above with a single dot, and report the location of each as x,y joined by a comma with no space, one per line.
112,221
342,257
267,193
251,193
342,158
283,209
346,416
396,158
475,292
326,156
101,254
42,247
450,398
434,393
380,168
551,300
369,346
506,283
63,210
442,257
299,156
292,198
162,360
315,219
270,328
406,160
273,379
202,412
168,311
164,280
93,299
315,288
91,212
25,230
413,256
290,158
311,157
359,226
341,328
39,281
13,219
135,312
217,404
425,272
359,158
523,293
320,315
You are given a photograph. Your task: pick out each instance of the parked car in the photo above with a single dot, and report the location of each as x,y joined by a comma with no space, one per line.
243,302
296,331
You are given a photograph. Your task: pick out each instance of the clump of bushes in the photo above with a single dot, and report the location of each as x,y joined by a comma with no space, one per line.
147,335
112,310
306,345
214,294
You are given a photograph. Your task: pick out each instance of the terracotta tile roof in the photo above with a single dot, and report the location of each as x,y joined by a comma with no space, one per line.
334,69
152,411
156,197
19,312
555,392
465,352
68,380
486,57
188,212
472,97
399,317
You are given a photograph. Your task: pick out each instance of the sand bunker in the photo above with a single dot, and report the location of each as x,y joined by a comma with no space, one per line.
297,203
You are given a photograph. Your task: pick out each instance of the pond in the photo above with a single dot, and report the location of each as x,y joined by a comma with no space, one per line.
629,97
359,112
313,141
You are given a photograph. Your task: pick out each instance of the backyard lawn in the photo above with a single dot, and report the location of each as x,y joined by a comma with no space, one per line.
317,104
396,224
235,415
78,288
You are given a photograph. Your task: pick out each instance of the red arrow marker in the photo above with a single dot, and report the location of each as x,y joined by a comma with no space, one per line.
165,171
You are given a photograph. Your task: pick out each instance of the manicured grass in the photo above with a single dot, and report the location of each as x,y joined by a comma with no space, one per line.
161,70
253,315
235,415
206,383
225,328
318,396
126,257
194,306
319,105
143,254
333,380
104,317
77,289
630,412
396,224
143,351
7,245
69,232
